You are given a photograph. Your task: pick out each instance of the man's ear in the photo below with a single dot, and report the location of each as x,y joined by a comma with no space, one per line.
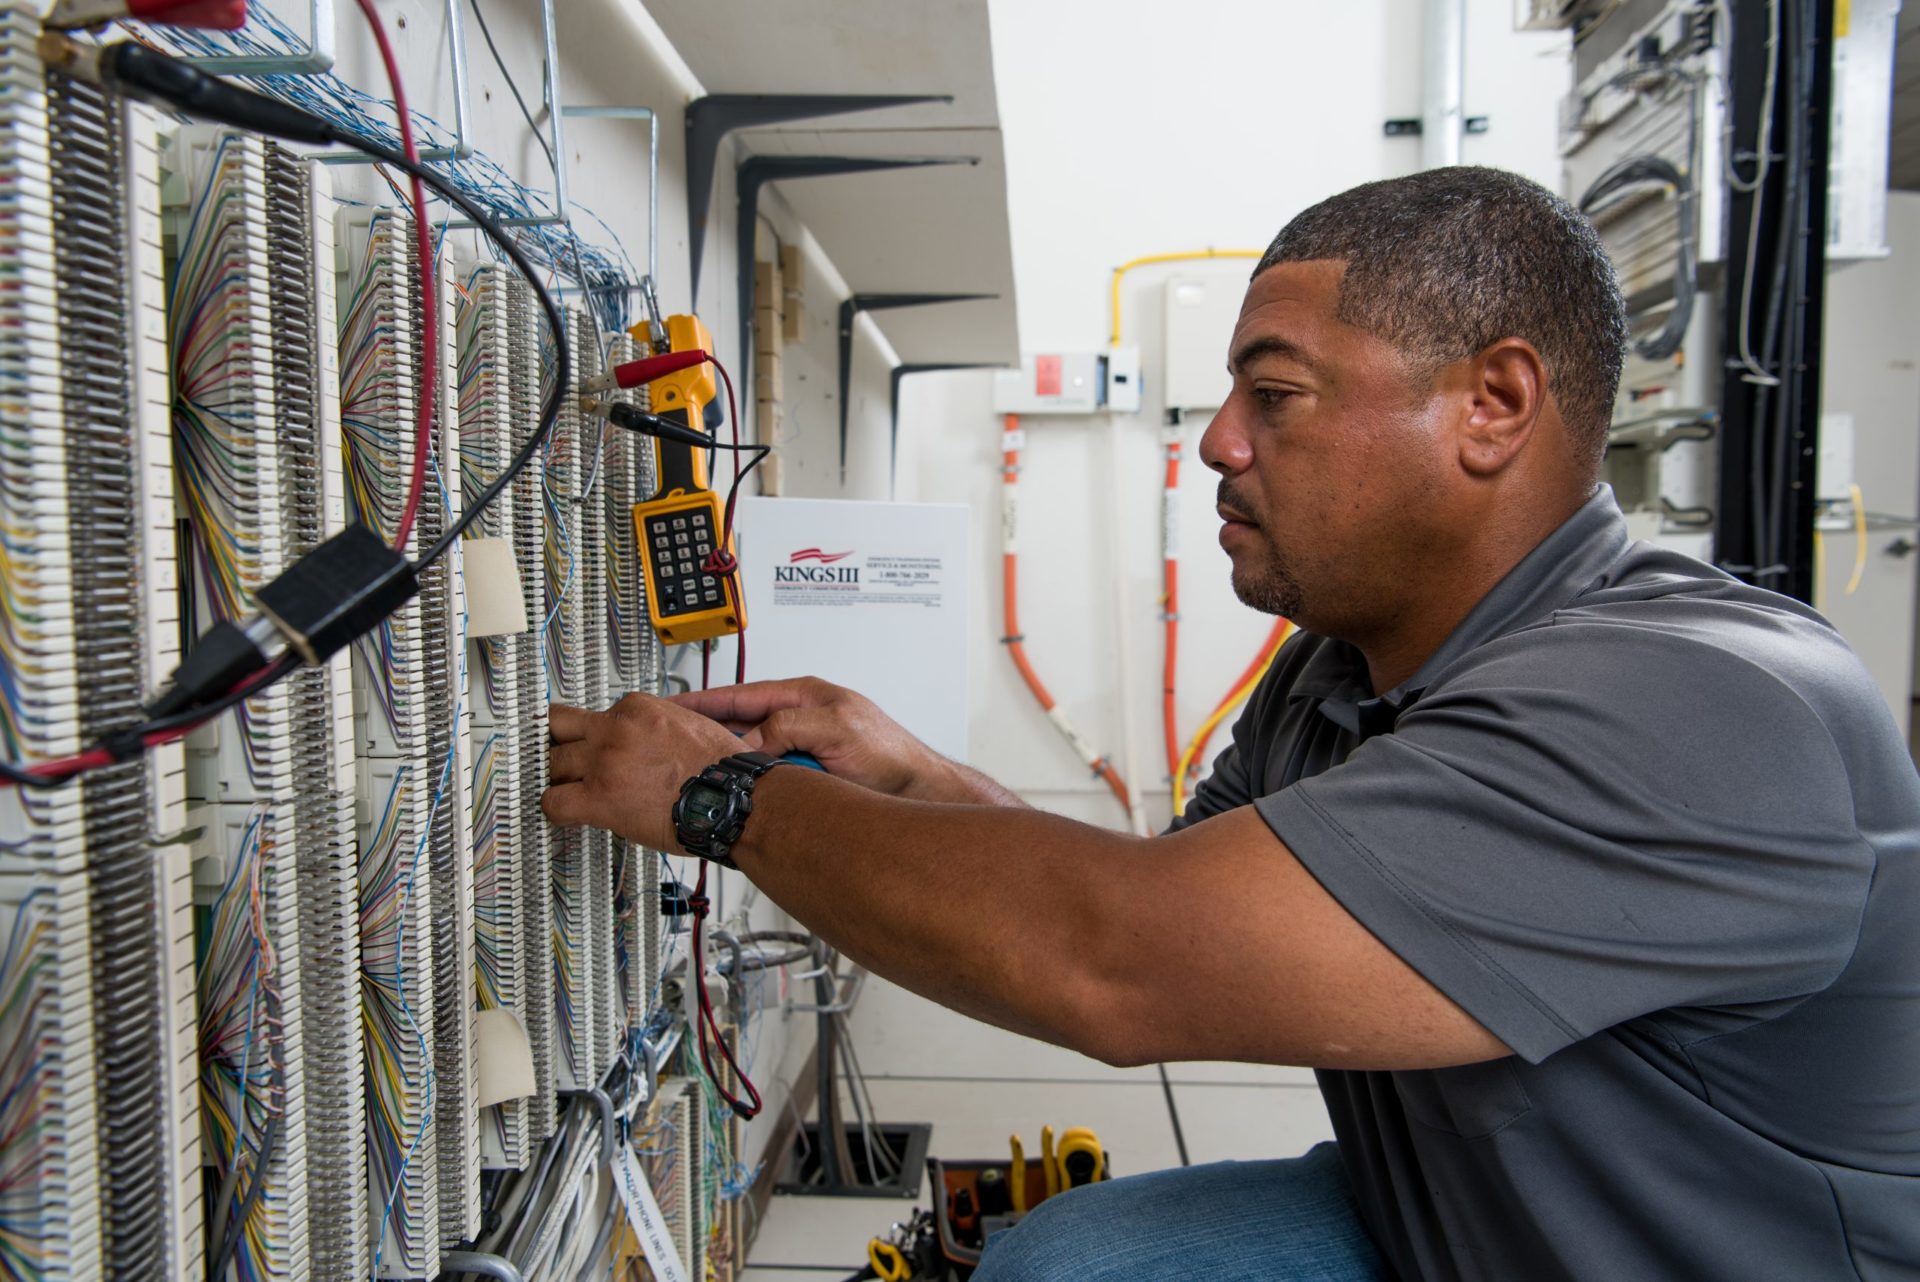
1506,385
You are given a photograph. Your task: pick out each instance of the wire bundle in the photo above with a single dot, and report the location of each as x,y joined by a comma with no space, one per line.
372,384
492,958
241,1058
557,561
375,381
215,336
213,411
608,276
398,1055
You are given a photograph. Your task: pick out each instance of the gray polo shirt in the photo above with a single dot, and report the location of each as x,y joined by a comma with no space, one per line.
1656,830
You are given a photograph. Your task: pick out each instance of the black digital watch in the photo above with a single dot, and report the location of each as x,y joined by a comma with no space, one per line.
714,805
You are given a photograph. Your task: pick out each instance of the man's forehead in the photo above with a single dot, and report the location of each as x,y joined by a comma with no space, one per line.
1289,311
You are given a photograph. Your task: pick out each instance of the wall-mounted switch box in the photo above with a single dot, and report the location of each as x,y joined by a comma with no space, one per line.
1123,380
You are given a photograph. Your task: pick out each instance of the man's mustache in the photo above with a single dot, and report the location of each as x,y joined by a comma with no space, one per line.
1230,507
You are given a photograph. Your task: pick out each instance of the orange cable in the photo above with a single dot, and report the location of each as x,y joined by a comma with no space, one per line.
1015,643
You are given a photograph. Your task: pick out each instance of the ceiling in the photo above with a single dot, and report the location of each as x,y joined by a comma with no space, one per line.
939,229
1905,142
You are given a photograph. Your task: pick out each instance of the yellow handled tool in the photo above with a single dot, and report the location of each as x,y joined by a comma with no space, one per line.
888,1261
1017,1176
1081,1159
1048,1167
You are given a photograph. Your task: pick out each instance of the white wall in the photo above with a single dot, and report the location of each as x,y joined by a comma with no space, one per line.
1871,370
1130,131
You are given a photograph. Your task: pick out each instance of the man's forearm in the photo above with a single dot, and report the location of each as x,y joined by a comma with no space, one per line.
1009,916
955,784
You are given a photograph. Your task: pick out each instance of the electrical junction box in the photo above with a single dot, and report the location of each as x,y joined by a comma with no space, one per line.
1200,315
1070,383
1051,383
871,596
1123,380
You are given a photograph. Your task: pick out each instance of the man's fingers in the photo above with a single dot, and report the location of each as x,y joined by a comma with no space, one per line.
567,762
813,730
567,805
565,724
750,704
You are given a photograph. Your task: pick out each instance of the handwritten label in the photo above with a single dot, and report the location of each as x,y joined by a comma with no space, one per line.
643,1212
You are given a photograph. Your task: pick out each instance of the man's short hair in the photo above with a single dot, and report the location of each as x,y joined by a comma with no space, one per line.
1445,262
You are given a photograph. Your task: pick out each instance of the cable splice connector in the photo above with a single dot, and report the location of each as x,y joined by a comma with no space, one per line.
221,15
225,655
339,590
645,370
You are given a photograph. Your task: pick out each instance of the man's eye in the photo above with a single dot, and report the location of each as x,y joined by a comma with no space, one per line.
1272,398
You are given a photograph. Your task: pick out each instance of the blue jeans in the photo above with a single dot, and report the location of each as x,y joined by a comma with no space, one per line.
1285,1221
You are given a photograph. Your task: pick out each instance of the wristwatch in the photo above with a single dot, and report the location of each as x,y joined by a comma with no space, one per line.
714,805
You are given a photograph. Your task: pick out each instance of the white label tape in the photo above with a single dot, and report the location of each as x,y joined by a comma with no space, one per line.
643,1212
495,604
1013,441
1072,736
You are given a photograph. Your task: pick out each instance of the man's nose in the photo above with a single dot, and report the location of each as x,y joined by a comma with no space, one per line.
1224,446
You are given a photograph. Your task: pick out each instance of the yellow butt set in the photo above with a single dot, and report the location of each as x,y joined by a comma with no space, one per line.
688,599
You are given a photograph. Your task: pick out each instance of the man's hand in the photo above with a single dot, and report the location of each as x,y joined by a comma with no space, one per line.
844,731
622,769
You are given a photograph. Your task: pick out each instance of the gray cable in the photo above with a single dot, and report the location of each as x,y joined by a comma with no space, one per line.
236,1228
860,1109
858,1089
514,89
1636,171
487,1266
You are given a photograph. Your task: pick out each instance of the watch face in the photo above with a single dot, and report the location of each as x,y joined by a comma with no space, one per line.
704,806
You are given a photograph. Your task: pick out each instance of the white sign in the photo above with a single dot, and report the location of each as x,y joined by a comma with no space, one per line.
871,596
643,1212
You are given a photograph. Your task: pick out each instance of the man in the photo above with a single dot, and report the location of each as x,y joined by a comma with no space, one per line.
1584,874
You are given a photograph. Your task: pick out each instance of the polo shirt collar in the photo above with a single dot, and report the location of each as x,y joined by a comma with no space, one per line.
1565,563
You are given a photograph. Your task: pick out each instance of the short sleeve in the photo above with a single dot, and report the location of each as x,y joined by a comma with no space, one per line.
1583,823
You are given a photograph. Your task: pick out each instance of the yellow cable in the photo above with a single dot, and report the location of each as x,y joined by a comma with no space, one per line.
1859,537
1233,700
1189,256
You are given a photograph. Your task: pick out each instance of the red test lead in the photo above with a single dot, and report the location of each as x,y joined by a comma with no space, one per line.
644,370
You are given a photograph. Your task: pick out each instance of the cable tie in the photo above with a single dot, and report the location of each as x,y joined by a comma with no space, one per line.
1015,639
